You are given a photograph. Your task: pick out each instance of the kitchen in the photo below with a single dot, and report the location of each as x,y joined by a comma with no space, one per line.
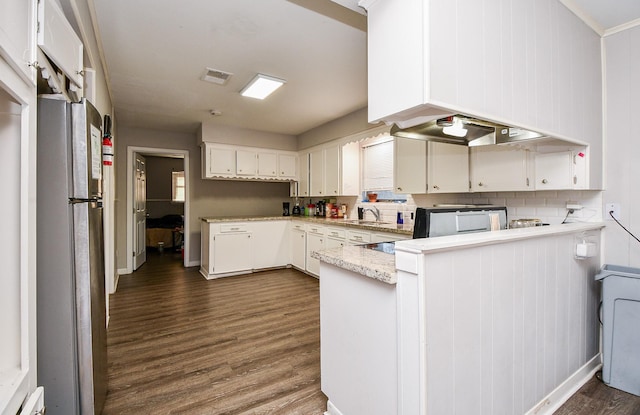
619,84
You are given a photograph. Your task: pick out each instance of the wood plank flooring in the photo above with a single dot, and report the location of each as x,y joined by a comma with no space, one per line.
179,344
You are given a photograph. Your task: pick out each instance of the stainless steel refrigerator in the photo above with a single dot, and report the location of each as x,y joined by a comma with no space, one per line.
71,316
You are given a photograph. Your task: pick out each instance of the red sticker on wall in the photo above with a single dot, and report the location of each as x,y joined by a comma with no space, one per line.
581,154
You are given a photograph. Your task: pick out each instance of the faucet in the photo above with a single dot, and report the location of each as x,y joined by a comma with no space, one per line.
375,211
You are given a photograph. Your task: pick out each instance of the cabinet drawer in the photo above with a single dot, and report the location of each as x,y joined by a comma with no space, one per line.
298,226
335,233
234,227
315,229
355,237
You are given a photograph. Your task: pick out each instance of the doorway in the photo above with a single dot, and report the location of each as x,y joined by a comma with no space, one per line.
140,207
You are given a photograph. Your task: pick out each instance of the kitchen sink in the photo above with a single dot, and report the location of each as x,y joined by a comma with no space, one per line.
369,222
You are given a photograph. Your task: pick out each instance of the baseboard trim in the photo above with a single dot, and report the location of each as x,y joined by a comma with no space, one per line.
550,403
332,410
124,271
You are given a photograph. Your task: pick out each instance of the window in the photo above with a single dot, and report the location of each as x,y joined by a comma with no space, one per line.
177,186
377,169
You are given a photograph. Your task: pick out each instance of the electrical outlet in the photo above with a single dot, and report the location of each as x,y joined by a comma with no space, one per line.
612,207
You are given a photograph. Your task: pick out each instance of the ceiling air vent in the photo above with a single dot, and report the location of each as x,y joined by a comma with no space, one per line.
215,76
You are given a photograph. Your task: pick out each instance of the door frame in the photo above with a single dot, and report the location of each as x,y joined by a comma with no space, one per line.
146,151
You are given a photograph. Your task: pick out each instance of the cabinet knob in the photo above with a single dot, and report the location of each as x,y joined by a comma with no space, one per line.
436,187
399,188
335,191
281,172
545,181
480,184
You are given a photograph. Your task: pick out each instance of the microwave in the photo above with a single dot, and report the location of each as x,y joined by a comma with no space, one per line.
458,219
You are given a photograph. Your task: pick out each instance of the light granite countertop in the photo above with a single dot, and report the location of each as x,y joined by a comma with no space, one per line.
368,262
348,223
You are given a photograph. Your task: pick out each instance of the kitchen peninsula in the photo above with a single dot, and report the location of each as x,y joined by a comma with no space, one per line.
501,322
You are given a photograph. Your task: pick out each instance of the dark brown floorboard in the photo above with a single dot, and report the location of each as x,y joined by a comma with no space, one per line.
596,398
179,344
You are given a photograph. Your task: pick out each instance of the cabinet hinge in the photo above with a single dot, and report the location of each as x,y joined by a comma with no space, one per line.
133,254
575,179
38,27
527,182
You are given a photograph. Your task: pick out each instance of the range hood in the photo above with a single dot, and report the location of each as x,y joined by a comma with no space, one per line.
466,131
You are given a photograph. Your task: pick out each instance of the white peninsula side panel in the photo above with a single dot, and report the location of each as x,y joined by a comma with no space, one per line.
504,328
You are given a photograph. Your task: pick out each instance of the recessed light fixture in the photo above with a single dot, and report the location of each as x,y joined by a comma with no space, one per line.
261,86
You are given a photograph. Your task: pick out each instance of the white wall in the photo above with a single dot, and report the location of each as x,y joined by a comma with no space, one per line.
622,144
207,197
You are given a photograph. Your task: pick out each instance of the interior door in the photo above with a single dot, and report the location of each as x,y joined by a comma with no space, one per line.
140,211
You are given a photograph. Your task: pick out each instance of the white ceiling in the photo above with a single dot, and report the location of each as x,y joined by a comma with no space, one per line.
157,51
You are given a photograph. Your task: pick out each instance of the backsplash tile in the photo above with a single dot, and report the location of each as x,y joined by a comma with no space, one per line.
548,206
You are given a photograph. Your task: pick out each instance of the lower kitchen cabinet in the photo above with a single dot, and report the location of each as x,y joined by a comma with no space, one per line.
231,252
298,246
315,242
232,248
270,244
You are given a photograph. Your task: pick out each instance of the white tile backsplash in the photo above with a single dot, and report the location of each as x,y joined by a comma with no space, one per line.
548,206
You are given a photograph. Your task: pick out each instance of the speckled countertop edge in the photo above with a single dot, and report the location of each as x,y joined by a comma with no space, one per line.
373,264
389,228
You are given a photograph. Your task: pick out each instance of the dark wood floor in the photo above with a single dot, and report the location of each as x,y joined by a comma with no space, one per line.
595,398
179,344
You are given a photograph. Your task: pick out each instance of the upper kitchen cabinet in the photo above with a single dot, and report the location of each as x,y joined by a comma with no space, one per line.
560,170
500,168
18,37
246,163
218,161
334,170
430,167
287,166
223,161
531,64
61,45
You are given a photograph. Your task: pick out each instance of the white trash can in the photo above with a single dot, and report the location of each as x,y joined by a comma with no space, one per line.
621,327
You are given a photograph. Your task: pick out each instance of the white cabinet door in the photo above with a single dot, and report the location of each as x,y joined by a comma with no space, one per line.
298,242
17,36
332,171
303,180
410,165
447,168
287,166
59,41
315,242
316,173
220,161
498,168
555,171
270,244
232,252
246,163
350,173
267,164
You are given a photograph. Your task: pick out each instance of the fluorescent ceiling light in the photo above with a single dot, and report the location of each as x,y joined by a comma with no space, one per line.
261,86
